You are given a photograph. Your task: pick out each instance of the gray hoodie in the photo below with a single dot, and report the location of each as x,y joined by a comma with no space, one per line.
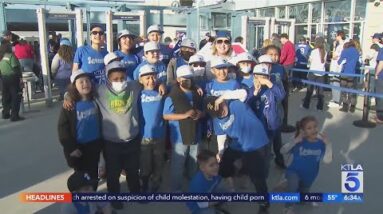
120,112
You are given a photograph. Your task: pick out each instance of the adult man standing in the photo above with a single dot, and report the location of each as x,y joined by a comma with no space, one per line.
287,53
334,67
302,51
379,87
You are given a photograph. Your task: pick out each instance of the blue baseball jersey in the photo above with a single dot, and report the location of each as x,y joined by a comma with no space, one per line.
215,88
380,58
152,123
243,126
302,52
129,61
91,61
306,159
88,124
174,125
160,69
246,82
351,55
199,184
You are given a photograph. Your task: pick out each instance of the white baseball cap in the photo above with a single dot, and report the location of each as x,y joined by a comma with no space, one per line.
265,59
189,43
196,59
261,69
184,71
244,57
114,66
150,46
124,33
147,69
154,28
76,74
218,62
110,57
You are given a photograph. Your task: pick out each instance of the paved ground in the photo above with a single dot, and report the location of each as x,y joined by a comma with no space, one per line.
32,160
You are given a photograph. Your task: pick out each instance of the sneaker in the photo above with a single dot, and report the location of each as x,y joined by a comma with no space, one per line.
288,210
352,108
333,104
6,116
344,108
303,107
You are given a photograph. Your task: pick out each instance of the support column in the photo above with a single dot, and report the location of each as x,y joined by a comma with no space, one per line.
79,28
109,30
87,17
3,17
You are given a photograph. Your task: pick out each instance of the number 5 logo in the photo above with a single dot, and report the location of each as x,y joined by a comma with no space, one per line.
352,182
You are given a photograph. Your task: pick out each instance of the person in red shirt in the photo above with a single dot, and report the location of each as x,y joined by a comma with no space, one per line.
25,54
287,58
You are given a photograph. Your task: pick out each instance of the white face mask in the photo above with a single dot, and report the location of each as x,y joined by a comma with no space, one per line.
119,86
198,71
246,69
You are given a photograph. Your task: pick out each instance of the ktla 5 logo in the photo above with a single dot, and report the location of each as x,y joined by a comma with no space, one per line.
352,178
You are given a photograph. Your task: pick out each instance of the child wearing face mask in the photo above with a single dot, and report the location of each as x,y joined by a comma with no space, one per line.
152,130
245,63
305,154
118,102
187,49
80,129
183,110
198,66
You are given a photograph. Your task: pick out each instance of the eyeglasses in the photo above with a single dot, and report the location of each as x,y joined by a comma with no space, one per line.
227,42
100,33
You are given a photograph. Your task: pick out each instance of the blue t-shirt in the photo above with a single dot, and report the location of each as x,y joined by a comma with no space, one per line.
130,62
243,126
351,55
247,82
174,125
215,88
306,159
91,61
160,69
302,52
152,124
380,58
88,124
199,184
277,72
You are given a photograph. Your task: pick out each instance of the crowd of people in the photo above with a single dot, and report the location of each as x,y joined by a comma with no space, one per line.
202,108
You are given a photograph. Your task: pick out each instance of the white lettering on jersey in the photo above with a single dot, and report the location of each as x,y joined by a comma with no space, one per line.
228,123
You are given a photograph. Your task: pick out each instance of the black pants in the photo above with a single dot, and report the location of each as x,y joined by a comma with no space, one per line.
310,89
89,159
299,75
11,96
151,163
276,139
346,97
255,163
122,156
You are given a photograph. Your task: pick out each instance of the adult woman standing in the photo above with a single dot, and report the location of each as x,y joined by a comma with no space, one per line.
90,58
62,66
317,61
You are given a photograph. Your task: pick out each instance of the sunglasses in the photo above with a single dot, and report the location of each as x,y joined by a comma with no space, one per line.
198,65
100,33
227,42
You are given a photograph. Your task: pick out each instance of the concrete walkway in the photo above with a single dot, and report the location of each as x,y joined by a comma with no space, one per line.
32,160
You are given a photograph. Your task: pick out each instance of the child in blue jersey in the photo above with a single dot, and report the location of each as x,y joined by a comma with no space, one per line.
245,63
126,45
183,110
206,180
152,130
152,52
236,120
79,129
90,58
306,151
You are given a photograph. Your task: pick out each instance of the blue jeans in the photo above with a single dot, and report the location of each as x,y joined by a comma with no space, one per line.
379,101
182,155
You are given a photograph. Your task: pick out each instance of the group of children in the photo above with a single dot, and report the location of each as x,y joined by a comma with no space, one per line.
126,120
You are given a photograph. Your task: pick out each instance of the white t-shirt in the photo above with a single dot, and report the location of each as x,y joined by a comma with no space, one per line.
316,63
334,67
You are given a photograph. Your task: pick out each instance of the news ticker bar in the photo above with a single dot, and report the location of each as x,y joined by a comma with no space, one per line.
199,197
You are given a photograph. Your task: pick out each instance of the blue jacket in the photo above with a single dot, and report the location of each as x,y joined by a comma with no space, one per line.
265,105
351,55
